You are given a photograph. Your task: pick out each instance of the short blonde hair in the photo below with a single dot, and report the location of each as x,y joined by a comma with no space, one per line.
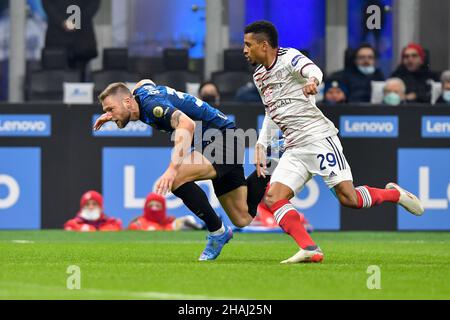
445,77
112,89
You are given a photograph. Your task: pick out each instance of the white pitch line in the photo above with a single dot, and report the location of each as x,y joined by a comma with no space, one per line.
159,295
22,241
129,294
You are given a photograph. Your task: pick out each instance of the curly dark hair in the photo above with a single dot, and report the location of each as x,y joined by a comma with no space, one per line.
265,29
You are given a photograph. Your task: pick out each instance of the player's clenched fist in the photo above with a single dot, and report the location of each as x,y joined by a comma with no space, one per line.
311,87
102,120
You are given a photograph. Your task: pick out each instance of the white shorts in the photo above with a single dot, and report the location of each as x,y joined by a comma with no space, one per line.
324,158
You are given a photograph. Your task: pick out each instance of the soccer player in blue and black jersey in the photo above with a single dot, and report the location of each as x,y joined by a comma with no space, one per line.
219,156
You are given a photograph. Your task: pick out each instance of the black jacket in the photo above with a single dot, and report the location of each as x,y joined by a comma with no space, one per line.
417,81
80,44
358,84
442,101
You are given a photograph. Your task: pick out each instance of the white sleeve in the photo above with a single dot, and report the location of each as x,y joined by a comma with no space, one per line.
302,66
312,70
269,131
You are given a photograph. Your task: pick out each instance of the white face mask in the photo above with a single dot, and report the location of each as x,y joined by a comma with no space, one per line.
392,99
90,214
366,70
446,95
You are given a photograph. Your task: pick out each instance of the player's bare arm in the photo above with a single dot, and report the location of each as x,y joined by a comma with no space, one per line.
183,135
268,133
260,160
102,120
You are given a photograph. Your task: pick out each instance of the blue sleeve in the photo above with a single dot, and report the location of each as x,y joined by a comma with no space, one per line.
157,109
160,114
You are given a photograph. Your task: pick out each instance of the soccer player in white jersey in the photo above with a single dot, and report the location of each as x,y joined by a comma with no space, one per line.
287,82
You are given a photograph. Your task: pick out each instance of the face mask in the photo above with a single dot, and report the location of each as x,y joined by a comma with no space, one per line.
366,70
155,215
392,99
446,95
90,214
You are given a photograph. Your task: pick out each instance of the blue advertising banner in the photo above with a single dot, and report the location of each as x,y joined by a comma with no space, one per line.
425,172
369,126
25,125
435,127
20,188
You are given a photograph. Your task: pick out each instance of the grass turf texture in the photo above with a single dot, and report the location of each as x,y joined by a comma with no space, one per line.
163,265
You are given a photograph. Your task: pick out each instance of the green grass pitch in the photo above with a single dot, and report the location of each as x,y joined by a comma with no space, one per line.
163,265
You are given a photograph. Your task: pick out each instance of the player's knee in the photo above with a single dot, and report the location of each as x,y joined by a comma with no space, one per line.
270,199
243,220
241,217
178,182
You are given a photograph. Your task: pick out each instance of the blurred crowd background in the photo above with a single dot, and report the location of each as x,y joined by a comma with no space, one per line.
196,46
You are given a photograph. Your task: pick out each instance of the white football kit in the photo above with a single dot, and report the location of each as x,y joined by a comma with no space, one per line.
311,143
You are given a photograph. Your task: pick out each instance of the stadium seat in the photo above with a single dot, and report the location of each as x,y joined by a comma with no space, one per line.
177,79
229,82
234,60
236,74
103,78
436,90
54,58
176,59
47,85
145,67
115,59
377,91
115,69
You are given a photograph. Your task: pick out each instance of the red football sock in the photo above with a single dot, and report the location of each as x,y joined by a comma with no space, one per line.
369,197
289,220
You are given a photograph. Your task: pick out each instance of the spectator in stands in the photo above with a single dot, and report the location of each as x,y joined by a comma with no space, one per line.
359,75
394,92
91,216
415,73
335,92
80,43
155,217
248,93
209,93
445,82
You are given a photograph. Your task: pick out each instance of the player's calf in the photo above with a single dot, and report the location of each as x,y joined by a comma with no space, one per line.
196,200
275,194
256,188
287,216
348,199
363,196
366,197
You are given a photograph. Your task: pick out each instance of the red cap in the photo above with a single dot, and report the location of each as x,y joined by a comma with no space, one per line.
416,47
91,195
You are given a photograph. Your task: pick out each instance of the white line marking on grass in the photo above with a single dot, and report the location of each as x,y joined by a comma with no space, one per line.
22,241
128,294
158,295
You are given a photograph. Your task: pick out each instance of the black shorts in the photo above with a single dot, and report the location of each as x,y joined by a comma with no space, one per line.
227,158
